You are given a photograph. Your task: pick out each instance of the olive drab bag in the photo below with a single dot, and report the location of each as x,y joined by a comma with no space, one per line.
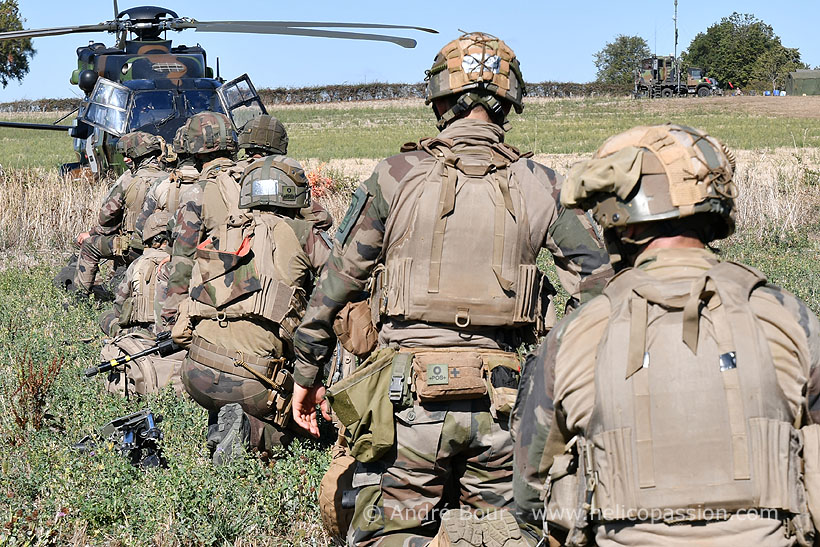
234,275
140,306
148,374
433,239
688,412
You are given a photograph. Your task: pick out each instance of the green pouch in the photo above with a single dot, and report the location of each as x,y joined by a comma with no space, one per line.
362,404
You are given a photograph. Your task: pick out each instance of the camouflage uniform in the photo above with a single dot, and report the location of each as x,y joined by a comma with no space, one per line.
676,408
298,255
439,446
115,227
168,193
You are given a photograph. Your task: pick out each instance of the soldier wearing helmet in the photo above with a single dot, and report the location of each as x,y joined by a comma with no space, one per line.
446,235
133,320
668,410
166,194
115,235
265,136
249,265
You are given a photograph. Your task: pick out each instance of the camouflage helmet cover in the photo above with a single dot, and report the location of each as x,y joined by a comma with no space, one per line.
656,173
137,144
180,145
208,132
476,62
155,225
268,182
265,132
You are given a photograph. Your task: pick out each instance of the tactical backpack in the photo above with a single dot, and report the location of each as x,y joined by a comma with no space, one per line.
139,307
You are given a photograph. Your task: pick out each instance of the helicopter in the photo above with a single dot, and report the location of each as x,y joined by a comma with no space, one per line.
145,83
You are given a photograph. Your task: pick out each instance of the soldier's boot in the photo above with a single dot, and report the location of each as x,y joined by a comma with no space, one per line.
234,428
459,528
500,529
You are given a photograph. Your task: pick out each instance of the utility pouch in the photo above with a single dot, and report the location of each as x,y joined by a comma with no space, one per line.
448,374
503,377
280,398
362,405
568,493
354,328
399,392
226,275
127,310
121,244
811,470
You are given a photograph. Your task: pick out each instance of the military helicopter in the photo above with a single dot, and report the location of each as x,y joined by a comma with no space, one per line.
144,83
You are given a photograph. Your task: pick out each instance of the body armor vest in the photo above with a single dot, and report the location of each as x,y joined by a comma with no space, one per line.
135,192
234,275
179,179
457,242
688,412
143,289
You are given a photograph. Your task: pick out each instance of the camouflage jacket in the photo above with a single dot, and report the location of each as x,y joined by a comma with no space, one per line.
171,188
556,394
190,230
582,263
113,210
110,319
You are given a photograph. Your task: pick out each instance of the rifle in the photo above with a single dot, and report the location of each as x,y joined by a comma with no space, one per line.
164,346
135,436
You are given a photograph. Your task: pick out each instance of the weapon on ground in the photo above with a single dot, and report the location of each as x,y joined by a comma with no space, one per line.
135,436
164,346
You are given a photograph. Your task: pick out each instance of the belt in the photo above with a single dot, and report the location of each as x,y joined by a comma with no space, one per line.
226,360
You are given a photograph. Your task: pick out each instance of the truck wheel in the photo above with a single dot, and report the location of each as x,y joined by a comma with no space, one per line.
703,92
666,92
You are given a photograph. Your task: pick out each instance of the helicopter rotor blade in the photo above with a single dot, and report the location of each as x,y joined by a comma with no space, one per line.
53,31
321,24
275,27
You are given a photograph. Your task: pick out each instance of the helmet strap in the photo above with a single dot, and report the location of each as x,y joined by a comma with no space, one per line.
468,101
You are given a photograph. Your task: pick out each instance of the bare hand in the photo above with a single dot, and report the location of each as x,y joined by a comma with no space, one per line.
82,237
304,407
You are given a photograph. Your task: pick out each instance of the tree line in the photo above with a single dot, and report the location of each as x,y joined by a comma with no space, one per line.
740,49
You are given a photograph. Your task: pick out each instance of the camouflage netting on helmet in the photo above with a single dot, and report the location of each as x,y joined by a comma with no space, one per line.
156,224
267,182
137,144
655,173
180,142
266,133
209,132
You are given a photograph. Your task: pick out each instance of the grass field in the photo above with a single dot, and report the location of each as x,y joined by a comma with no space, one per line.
50,494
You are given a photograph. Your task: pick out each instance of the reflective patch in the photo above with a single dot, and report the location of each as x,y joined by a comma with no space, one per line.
474,63
353,213
265,187
437,374
728,361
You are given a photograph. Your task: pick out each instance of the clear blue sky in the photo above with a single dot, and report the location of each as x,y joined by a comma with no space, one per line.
554,40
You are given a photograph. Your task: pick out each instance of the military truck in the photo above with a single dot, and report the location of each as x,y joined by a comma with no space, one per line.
658,77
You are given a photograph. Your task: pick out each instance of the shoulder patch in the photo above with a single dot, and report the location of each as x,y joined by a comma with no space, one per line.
352,215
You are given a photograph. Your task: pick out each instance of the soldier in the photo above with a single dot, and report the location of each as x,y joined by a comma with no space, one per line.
249,265
668,411
451,227
167,193
132,321
115,234
265,136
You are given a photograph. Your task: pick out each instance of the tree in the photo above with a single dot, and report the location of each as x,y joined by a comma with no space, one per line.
14,54
617,61
732,50
775,64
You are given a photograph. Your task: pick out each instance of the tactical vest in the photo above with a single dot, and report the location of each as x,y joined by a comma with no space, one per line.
135,192
184,176
234,275
140,306
688,414
457,242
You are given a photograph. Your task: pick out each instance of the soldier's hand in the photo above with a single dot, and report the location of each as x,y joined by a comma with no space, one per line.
82,237
304,407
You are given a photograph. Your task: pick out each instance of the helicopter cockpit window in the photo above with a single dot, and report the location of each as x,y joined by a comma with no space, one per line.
106,107
201,100
240,101
152,107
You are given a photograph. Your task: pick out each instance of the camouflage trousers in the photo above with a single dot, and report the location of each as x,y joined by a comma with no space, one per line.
447,455
213,388
94,249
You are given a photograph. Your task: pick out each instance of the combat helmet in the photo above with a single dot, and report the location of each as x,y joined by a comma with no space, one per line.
479,69
266,133
271,183
138,144
180,142
657,175
155,225
208,132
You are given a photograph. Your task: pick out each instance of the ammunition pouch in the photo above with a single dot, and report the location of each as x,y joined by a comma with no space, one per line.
355,330
362,404
271,372
338,479
120,244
